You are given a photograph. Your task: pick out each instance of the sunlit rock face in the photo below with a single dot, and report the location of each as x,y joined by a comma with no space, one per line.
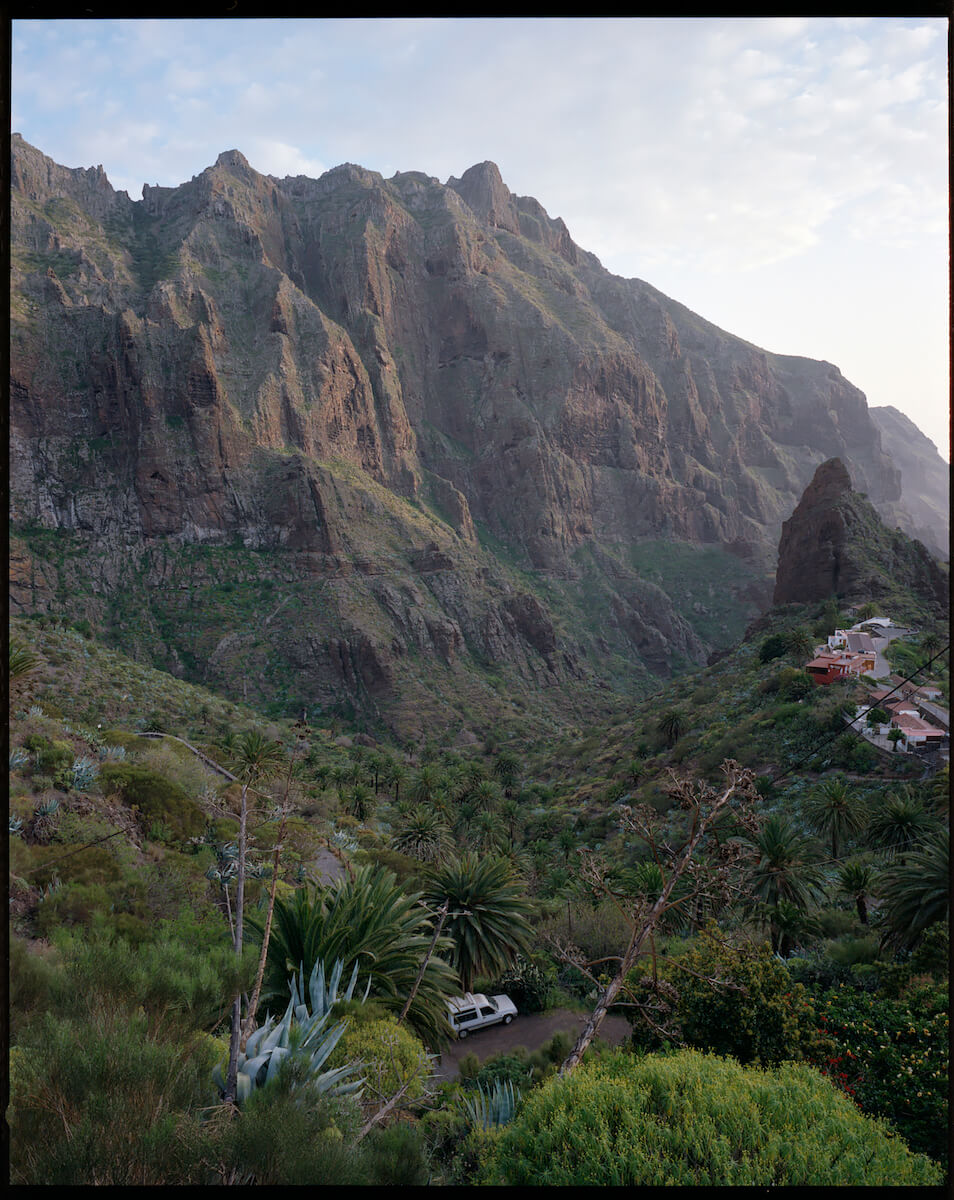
304,364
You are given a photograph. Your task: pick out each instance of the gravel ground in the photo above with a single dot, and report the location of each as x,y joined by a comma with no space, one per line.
529,1031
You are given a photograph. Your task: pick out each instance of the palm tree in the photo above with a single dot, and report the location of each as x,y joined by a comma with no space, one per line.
487,833
396,777
785,870
800,644
361,802
866,612
339,776
671,725
836,810
568,840
856,881
23,660
917,892
367,920
423,835
487,920
377,764
506,769
929,643
426,781
512,811
486,794
900,823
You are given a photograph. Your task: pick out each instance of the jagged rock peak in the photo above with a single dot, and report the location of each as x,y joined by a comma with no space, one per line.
232,158
835,544
40,178
830,481
482,188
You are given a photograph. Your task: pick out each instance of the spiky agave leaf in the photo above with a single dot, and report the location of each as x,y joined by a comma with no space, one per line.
489,1110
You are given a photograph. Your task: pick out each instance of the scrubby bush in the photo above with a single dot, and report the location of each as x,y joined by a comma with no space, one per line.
105,1102
691,1119
757,1013
156,797
527,985
390,1057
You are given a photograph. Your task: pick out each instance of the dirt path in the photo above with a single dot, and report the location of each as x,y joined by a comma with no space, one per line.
530,1031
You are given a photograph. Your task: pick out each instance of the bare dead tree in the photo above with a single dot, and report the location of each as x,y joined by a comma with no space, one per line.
285,808
442,915
706,865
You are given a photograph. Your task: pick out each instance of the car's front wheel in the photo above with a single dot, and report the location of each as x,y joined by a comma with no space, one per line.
462,1033
507,1019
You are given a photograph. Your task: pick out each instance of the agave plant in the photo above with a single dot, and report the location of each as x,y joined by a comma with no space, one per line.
35,710
112,753
305,1041
342,840
488,1110
19,755
47,807
83,774
323,997
16,824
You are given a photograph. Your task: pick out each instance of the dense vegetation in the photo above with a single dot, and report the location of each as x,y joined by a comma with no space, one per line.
156,880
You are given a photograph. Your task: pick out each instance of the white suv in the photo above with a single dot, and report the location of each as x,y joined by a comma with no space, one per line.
474,1011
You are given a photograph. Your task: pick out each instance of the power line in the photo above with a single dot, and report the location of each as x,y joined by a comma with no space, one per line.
830,737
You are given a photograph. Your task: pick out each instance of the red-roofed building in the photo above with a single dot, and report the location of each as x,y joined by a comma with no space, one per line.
917,732
826,668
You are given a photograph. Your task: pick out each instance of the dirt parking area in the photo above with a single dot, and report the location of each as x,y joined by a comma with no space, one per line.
531,1031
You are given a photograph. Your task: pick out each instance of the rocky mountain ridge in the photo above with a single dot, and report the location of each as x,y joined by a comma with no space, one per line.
422,399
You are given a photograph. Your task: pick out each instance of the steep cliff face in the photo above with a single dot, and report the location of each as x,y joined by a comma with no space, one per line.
924,510
834,544
349,369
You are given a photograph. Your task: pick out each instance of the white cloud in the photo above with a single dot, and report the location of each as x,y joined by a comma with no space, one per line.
280,159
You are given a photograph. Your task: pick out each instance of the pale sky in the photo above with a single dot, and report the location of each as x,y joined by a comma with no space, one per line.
785,178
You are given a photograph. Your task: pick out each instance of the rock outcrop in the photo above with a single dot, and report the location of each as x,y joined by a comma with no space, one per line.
834,544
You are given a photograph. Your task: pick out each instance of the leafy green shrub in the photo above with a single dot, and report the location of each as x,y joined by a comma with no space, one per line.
760,1016
891,1057
280,1141
396,1156
156,798
54,757
390,1056
691,1119
774,646
513,1067
795,685
527,985
71,904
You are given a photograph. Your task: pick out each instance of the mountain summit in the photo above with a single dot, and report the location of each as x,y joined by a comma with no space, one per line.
422,403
